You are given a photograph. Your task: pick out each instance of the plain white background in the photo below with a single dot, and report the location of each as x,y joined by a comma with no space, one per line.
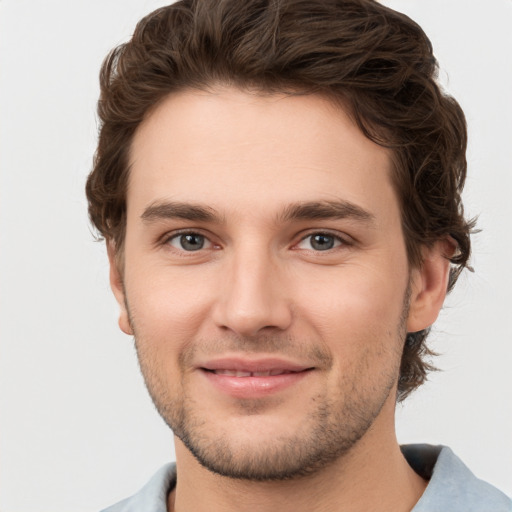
78,431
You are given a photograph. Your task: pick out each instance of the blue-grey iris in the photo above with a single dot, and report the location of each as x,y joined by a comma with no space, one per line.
192,242
322,242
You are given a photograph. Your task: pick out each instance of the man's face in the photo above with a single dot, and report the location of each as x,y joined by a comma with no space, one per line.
265,278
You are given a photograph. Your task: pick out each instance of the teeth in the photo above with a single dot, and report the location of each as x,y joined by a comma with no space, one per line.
238,373
233,373
279,372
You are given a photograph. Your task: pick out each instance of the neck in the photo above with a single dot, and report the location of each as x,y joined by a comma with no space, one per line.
372,476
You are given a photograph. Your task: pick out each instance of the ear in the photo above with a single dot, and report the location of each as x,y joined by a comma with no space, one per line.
116,283
429,285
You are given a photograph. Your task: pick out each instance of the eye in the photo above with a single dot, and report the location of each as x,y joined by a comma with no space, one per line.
320,242
189,242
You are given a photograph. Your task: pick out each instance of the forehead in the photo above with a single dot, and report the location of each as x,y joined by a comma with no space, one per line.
230,148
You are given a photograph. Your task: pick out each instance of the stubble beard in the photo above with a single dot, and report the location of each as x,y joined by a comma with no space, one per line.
328,433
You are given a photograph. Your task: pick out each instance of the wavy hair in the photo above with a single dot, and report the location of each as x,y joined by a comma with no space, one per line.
377,63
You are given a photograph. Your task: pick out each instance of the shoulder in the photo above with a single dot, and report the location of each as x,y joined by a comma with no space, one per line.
452,486
153,496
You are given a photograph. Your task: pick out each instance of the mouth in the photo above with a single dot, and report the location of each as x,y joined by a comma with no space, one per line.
260,367
241,373
242,378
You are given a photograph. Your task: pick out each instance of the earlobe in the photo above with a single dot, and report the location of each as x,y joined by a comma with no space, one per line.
116,283
429,285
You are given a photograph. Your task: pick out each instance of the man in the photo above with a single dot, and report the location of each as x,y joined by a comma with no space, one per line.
278,184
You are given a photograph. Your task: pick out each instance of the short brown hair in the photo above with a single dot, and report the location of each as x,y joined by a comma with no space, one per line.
376,62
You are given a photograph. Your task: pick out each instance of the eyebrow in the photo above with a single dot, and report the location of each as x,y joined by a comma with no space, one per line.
323,210
311,210
177,210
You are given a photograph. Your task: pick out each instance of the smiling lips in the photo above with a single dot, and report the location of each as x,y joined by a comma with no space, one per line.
253,379
242,373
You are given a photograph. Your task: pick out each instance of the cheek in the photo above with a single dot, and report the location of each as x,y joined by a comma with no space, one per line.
362,295
166,305
354,310
360,325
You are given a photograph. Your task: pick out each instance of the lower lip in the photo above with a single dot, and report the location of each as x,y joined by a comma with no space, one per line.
254,387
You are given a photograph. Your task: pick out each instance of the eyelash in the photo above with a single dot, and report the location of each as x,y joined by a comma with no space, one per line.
166,240
339,241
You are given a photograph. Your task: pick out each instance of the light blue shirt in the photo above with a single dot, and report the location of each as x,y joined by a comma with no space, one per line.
451,488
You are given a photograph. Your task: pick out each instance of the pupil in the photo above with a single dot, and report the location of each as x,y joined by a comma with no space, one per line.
192,242
322,242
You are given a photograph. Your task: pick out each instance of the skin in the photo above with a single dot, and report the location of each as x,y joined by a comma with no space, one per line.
261,287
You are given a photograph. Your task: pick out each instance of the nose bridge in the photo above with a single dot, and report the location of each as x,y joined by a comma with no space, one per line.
252,296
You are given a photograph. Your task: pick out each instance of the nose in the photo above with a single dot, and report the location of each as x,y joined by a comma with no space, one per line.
252,297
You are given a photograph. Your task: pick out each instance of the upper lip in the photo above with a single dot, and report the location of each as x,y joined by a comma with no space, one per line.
253,365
